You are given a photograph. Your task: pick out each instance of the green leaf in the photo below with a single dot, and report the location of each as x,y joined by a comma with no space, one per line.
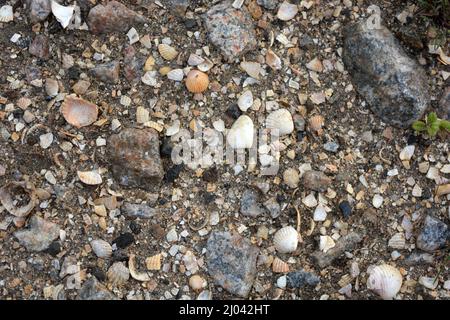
419,126
445,125
431,118
433,129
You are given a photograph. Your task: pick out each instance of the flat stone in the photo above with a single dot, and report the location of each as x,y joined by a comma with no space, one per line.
433,236
107,72
178,7
268,4
134,155
134,210
132,65
345,243
113,17
92,289
231,262
251,203
39,234
230,29
316,180
394,85
418,258
39,10
40,47
301,278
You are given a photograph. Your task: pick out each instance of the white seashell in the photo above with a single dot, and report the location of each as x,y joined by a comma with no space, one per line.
195,60
90,177
287,11
140,276
320,213
133,36
240,136
142,115
173,129
205,65
280,120
45,140
6,14
326,243
51,87
286,240
62,14
385,280
397,241
118,274
125,101
176,74
101,248
377,201
219,125
407,153
245,101
273,61
310,201
253,69
150,78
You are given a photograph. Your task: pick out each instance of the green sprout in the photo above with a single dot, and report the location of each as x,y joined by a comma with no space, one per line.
432,125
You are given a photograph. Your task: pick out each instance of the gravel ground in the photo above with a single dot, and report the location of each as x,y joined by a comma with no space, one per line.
178,232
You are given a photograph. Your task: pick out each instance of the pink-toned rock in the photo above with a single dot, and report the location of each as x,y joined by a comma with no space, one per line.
40,47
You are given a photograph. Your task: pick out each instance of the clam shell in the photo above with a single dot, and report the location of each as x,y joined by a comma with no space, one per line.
62,14
205,65
6,14
240,136
142,115
385,280
154,262
195,60
79,112
273,61
101,248
118,274
287,11
90,177
279,266
316,123
7,194
175,74
280,120
167,52
253,69
397,241
315,65
245,100
286,240
197,283
197,81
140,276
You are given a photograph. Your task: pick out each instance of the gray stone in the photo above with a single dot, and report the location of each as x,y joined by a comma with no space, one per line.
135,159
268,4
394,85
107,72
40,47
444,104
417,258
135,210
331,146
273,207
301,278
230,29
231,262
345,243
92,289
251,203
39,235
39,10
433,236
316,180
178,7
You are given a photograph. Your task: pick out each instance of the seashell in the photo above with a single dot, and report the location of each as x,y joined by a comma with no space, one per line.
165,70
240,136
79,112
173,129
429,282
195,60
197,283
280,120
279,266
310,201
287,11
286,240
142,115
154,262
133,36
407,153
62,14
140,276
16,189
101,248
385,280
51,87
245,101
125,101
149,63
176,74
6,14
205,65
326,243
197,81
253,69
23,103
167,52
316,123
118,274
90,177
397,241
315,65
273,61
345,280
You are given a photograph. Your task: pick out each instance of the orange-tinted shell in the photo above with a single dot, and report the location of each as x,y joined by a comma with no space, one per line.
79,112
279,266
197,81
316,123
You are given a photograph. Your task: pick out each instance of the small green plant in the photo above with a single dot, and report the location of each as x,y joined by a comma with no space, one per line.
438,10
432,125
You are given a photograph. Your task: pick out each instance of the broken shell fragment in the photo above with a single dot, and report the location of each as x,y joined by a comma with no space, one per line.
253,69
90,177
280,120
316,123
287,11
175,74
443,189
397,241
273,61
101,248
118,274
13,194
286,240
197,283
154,262
240,136
79,112
6,14
385,280
245,101
279,266
197,81
62,14
140,276
326,243
167,52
